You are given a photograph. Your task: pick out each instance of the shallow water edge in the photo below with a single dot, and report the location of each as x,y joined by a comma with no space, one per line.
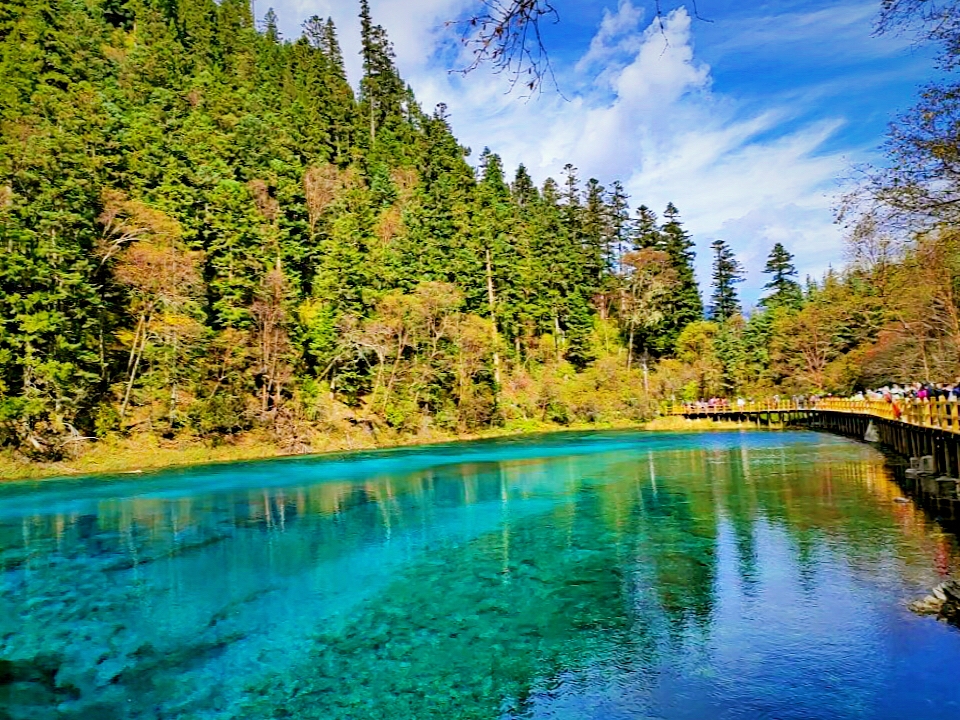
143,453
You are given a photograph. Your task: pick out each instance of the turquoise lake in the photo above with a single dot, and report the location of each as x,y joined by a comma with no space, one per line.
581,575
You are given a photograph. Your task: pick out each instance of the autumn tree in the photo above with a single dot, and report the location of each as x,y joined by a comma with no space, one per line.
650,281
696,346
147,255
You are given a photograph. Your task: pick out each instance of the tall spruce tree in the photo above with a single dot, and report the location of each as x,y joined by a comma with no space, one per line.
727,272
646,233
523,189
595,228
784,289
618,209
382,92
686,306
572,206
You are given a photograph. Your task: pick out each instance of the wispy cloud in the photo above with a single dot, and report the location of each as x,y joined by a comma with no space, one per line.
617,34
843,32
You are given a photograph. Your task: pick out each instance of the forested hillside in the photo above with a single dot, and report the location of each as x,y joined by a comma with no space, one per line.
208,233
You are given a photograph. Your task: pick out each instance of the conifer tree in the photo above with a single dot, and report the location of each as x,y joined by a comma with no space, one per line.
436,245
523,189
727,272
686,306
331,47
619,221
783,286
646,233
270,30
571,201
381,90
595,228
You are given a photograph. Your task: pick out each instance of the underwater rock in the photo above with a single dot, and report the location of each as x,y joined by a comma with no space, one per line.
943,601
40,669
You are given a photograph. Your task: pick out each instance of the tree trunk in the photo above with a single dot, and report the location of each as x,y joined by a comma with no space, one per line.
646,372
491,299
173,381
556,341
134,362
401,343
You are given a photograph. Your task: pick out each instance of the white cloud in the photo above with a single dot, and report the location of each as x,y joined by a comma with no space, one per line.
617,34
416,27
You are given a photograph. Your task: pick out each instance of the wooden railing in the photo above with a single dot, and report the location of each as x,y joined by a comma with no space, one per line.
938,413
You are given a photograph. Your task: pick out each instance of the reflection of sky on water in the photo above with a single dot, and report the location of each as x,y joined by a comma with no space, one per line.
605,575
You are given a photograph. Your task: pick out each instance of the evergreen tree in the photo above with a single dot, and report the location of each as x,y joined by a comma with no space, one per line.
618,223
571,200
331,47
270,30
686,306
381,90
646,231
785,290
594,224
727,272
436,245
523,189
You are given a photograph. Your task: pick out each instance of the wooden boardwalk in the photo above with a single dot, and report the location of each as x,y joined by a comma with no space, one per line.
932,414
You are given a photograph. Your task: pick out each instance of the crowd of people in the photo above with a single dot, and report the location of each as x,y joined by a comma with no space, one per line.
894,393
914,391
741,403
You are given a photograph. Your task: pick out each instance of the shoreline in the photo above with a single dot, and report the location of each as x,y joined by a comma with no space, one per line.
130,456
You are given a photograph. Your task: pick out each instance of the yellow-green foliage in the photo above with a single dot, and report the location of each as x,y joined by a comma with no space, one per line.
604,392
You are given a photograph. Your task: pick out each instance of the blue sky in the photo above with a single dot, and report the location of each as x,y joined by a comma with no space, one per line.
751,119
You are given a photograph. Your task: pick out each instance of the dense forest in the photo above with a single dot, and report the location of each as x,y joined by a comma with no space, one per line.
208,232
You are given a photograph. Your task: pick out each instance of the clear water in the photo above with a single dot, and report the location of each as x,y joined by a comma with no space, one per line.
614,575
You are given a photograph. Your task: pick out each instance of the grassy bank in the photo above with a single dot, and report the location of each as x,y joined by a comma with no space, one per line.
148,452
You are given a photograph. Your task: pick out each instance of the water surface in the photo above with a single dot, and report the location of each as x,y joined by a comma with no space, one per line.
603,575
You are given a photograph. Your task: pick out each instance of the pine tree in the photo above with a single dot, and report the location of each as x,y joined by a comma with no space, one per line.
618,209
331,47
436,244
314,30
270,30
571,201
381,90
686,306
596,230
727,272
785,290
646,233
523,190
